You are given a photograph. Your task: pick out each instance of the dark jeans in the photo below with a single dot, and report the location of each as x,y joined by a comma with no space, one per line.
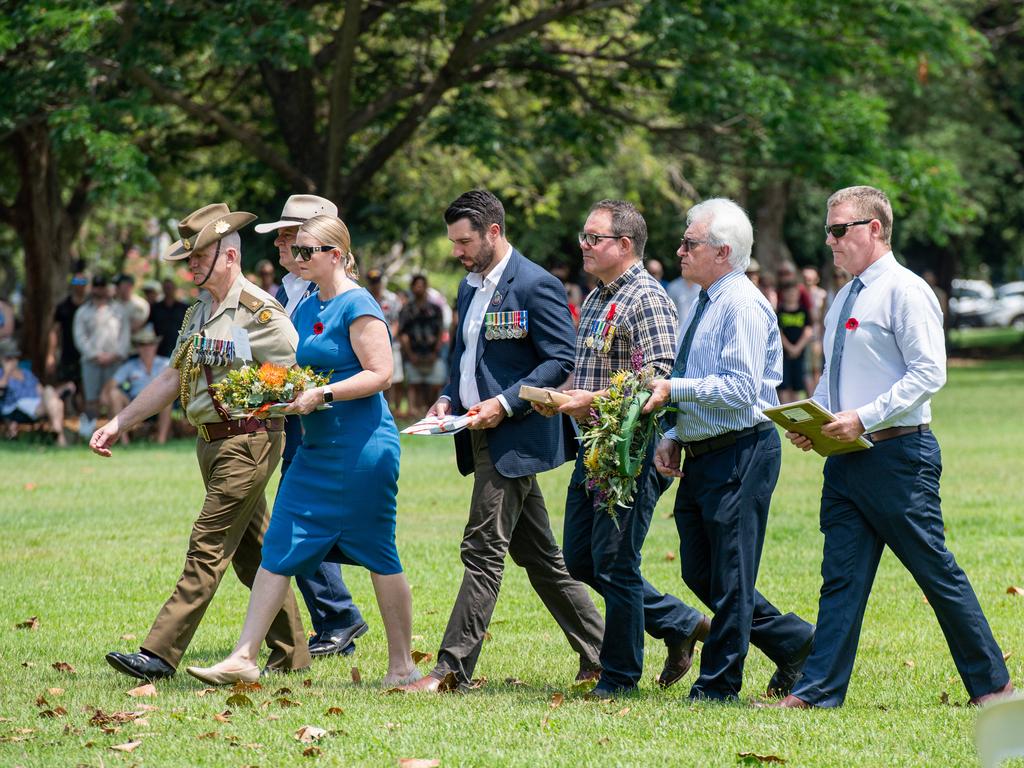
889,496
721,511
508,515
608,560
328,600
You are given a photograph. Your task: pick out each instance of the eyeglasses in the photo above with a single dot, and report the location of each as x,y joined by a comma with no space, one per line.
688,244
838,230
592,240
305,252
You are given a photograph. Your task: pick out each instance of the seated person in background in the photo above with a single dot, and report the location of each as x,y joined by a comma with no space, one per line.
24,399
133,376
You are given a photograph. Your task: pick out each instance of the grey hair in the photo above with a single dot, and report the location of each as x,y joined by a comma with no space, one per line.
231,240
869,202
728,224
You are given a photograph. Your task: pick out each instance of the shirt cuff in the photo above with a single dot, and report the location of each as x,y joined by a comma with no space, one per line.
505,405
670,434
682,389
869,416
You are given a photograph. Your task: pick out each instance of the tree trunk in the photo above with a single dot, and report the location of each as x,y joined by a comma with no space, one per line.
770,247
46,229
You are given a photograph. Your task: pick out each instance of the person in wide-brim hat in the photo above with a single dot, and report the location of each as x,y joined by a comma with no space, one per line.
204,227
298,209
145,335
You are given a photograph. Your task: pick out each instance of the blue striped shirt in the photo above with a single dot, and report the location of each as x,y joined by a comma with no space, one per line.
734,365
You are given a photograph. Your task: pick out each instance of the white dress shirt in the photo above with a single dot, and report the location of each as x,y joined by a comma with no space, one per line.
472,325
296,288
894,360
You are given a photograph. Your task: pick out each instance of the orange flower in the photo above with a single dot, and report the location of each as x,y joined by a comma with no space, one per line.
273,376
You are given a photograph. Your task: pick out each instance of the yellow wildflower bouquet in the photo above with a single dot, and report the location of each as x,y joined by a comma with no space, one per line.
618,436
255,390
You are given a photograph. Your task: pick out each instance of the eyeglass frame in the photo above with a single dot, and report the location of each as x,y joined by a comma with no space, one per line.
844,227
309,250
685,243
586,237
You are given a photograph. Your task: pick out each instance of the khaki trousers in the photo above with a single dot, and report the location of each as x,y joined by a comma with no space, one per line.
507,515
229,529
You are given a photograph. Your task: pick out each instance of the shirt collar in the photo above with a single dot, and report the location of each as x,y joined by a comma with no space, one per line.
610,289
292,282
722,284
475,279
877,269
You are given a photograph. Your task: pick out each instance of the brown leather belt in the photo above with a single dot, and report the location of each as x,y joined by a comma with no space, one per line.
218,430
716,443
891,432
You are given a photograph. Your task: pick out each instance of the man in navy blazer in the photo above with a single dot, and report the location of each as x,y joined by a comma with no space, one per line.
514,329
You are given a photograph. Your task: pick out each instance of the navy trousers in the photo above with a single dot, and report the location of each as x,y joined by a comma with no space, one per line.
607,559
328,600
889,496
721,511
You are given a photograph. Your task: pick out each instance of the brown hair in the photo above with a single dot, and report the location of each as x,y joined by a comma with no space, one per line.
330,230
869,202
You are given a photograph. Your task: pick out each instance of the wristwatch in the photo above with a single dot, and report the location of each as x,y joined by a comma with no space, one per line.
328,395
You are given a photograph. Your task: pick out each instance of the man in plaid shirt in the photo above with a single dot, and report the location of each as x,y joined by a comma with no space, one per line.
628,311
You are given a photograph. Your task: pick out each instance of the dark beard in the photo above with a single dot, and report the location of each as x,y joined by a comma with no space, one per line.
485,259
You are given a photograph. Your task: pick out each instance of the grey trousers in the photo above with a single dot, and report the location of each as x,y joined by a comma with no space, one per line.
507,515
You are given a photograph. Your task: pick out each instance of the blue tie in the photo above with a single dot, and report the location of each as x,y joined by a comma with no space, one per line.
679,369
282,296
838,344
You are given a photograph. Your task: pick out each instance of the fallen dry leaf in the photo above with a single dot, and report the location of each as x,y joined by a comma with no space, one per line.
334,711
239,700
223,717
418,656
1015,590
944,698
243,687
148,707
622,712
204,691
307,683
63,666
752,758
28,664
514,681
127,637
143,690
55,712
909,663
356,677
55,691
209,735
477,682
448,683
283,702
313,751
282,691
417,762
1007,655
556,700
604,740
670,556
488,635
41,701
30,486
392,726
32,622
307,734
127,747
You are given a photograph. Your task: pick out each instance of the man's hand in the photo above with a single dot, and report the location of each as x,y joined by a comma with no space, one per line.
441,408
667,458
579,406
800,441
104,437
660,389
545,409
486,415
846,428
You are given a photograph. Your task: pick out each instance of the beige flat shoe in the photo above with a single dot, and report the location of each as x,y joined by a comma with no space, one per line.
216,675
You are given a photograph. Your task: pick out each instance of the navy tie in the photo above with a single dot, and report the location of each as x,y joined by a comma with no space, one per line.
679,369
282,296
837,345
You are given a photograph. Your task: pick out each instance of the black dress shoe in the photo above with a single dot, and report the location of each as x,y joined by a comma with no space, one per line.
140,665
338,642
680,655
786,675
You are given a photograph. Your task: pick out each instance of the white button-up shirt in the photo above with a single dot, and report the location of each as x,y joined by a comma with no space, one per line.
894,359
472,326
296,288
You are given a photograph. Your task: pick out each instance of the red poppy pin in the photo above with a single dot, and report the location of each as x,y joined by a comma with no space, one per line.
318,328
852,324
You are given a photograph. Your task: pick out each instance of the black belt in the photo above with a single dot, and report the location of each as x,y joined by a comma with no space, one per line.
891,432
218,430
716,443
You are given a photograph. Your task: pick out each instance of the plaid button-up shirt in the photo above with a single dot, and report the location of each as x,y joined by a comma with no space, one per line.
644,319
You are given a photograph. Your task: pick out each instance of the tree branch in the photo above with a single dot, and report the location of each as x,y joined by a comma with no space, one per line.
340,91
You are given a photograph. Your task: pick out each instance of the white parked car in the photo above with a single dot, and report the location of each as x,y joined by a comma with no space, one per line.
970,303
1008,307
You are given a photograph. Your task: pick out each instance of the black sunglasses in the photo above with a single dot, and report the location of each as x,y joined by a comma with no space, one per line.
592,240
838,230
305,252
688,243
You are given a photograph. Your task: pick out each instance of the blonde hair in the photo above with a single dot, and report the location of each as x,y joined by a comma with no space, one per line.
869,202
330,230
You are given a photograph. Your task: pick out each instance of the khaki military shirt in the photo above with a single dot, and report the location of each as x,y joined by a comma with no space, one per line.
246,312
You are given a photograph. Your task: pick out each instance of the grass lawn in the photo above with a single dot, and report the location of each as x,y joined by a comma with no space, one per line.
93,547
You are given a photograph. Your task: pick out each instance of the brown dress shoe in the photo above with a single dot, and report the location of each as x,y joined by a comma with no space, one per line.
431,684
978,701
680,655
790,702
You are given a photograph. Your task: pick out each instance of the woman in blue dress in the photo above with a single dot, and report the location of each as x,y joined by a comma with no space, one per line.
338,500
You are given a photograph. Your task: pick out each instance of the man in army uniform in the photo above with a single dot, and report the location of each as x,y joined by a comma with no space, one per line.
233,322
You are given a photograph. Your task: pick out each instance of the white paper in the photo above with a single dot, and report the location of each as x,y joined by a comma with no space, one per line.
438,425
241,338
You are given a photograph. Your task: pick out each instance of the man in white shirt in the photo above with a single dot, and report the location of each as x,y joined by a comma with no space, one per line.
884,359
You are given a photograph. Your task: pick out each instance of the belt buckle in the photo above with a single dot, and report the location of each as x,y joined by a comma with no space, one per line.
203,432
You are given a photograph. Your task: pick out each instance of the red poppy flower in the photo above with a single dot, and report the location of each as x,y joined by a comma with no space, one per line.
852,324
318,328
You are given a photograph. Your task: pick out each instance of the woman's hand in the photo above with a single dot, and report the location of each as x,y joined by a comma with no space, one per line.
306,402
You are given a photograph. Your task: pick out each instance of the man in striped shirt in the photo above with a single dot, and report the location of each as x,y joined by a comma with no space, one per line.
628,311
728,366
